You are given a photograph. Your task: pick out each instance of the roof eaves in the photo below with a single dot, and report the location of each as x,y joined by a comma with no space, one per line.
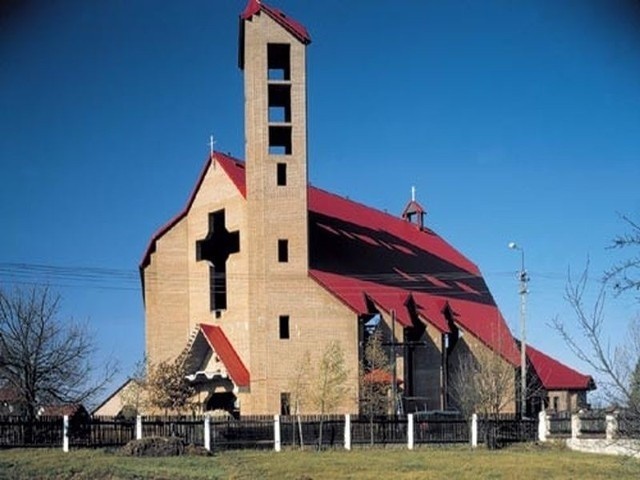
222,160
254,7
330,291
297,29
219,342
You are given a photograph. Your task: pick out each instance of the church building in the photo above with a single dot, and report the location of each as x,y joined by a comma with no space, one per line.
261,271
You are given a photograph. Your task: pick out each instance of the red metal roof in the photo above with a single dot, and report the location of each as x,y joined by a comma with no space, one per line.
219,342
294,27
10,394
555,375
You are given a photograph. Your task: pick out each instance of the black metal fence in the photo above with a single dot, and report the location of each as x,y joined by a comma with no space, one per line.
305,430
101,432
258,432
438,428
190,429
496,431
249,432
629,425
379,430
41,432
560,424
593,424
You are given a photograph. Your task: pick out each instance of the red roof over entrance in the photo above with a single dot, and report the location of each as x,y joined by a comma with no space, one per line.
219,342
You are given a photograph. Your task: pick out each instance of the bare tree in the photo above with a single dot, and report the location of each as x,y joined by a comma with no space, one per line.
375,374
634,387
167,387
44,358
299,385
375,380
625,275
483,383
329,390
617,367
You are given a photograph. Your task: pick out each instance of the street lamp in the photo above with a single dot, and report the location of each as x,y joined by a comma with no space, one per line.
524,279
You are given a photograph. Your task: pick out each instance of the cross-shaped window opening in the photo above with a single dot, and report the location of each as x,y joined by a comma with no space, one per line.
215,249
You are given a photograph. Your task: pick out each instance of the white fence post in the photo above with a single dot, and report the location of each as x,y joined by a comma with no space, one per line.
575,426
277,445
612,426
207,432
410,439
347,431
138,427
65,433
474,430
542,426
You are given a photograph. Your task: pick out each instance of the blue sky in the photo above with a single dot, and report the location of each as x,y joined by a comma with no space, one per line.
514,120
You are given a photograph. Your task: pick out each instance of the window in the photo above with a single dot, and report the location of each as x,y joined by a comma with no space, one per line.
279,61
283,251
555,404
285,403
279,103
280,140
279,95
282,174
215,249
284,327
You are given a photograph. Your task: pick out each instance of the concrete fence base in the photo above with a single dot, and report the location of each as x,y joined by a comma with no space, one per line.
628,448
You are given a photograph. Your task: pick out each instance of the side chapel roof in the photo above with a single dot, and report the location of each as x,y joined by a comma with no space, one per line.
555,375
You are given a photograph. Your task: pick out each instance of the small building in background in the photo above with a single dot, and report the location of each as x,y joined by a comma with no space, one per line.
11,403
562,388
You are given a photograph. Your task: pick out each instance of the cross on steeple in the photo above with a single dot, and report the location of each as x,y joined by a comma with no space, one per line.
215,249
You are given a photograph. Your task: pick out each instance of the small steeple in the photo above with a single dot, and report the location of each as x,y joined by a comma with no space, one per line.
413,212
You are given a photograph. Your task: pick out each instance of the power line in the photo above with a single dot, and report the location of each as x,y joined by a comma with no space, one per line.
129,279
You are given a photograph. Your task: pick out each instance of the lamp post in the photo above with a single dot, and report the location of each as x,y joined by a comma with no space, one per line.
524,279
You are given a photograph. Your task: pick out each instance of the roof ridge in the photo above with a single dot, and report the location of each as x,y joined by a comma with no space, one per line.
369,207
293,26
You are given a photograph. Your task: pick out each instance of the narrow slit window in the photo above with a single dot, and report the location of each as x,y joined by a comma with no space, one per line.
284,327
279,61
285,403
283,251
282,174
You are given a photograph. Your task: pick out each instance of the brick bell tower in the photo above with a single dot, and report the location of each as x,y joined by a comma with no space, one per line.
272,53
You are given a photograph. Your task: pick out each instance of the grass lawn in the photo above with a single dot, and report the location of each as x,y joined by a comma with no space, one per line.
519,462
